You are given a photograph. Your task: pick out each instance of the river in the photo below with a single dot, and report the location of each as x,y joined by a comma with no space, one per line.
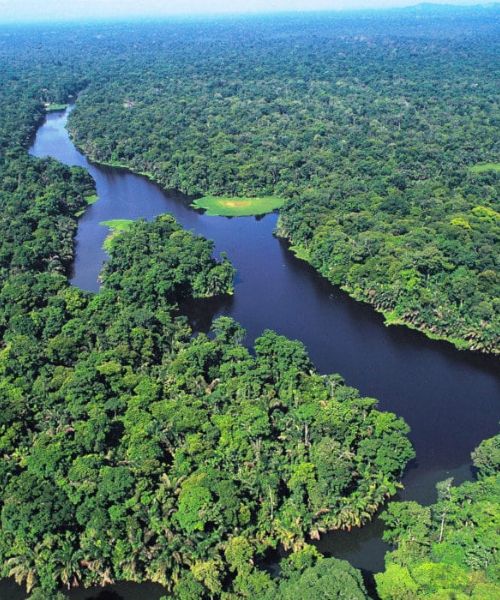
449,398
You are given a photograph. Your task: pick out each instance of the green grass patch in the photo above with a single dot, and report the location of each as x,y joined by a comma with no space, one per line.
238,207
53,107
92,199
117,226
301,252
485,167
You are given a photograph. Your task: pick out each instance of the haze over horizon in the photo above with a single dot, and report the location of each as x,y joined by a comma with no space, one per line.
12,11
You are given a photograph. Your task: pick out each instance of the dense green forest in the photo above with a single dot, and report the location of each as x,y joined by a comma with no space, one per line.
371,136
133,449
449,549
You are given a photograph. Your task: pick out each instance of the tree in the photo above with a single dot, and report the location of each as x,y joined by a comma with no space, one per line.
486,457
329,578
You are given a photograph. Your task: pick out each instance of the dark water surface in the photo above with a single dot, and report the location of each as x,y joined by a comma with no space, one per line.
449,398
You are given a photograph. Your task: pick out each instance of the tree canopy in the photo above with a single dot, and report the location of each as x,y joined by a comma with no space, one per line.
133,449
450,549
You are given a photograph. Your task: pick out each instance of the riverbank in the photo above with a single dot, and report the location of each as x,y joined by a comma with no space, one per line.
116,227
392,317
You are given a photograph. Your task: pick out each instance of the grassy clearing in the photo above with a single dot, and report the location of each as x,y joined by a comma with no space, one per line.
301,252
237,207
485,167
117,226
92,199
53,107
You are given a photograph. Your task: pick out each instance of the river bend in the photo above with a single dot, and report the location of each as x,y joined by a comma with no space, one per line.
449,398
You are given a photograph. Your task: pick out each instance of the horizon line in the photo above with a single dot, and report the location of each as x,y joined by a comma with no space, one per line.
229,14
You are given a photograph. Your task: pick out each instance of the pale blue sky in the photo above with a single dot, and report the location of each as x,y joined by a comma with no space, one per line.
35,10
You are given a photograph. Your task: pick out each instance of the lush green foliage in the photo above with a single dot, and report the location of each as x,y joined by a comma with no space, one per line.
237,207
306,574
371,130
486,457
131,449
135,452
450,549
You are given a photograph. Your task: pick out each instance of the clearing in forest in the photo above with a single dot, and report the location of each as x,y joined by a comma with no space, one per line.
485,167
238,207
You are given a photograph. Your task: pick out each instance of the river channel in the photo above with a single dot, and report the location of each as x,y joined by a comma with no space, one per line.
449,398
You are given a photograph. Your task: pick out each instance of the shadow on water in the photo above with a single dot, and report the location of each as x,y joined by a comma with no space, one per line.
200,313
106,595
449,398
119,591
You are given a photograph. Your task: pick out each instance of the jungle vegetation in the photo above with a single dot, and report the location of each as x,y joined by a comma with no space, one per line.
371,129
450,549
132,448
133,451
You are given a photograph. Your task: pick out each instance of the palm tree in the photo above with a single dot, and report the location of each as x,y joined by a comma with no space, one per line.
99,571
166,568
23,568
68,563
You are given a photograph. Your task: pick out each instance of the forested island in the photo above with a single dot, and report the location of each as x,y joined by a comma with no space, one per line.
134,448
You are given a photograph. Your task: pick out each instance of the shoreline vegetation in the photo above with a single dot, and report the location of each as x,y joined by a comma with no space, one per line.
117,226
92,199
213,207
390,317
89,200
221,206
450,548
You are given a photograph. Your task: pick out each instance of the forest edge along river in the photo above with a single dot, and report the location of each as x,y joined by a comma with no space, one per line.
449,398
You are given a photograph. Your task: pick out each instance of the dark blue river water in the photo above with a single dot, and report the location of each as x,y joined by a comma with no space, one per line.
449,398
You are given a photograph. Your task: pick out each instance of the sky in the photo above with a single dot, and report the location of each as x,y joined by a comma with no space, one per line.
50,10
